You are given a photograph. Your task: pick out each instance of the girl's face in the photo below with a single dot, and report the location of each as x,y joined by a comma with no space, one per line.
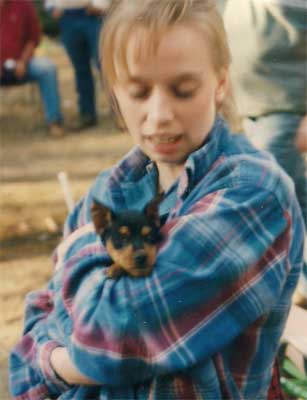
168,101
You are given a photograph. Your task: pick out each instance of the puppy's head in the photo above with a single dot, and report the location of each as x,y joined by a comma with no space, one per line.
131,237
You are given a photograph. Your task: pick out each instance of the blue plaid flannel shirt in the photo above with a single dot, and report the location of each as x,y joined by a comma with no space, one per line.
206,323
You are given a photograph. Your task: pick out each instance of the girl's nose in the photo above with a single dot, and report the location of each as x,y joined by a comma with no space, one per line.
160,109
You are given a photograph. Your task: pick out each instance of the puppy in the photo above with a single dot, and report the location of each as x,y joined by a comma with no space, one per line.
131,237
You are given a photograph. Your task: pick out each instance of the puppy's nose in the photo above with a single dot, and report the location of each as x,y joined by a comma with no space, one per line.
140,259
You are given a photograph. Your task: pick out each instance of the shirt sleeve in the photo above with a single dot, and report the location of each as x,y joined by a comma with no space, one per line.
222,265
31,373
33,33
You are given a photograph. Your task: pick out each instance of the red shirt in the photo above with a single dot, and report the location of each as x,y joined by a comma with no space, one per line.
19,24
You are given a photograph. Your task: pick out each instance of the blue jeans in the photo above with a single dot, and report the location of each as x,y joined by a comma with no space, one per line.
43,71
80,35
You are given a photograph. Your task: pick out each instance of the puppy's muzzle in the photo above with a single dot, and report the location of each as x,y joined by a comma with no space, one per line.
140,258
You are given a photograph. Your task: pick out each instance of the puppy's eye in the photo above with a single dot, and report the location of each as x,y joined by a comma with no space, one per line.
121,237
150,235
146,230
124,231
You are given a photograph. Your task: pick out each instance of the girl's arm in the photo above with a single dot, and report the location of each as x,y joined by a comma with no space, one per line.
222,267
31,371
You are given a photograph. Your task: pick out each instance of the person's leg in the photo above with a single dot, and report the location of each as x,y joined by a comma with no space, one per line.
93,27
43,71
276,134
74,40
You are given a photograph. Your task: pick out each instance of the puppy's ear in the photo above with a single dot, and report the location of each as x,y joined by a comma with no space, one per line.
152,209
101,217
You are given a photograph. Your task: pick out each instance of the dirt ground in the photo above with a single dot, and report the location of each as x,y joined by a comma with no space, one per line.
32,207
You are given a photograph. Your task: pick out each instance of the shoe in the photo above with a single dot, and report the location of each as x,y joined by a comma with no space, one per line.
85,122
56,130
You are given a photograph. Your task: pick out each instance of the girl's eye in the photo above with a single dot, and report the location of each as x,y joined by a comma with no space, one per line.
139,92
186,88
182,93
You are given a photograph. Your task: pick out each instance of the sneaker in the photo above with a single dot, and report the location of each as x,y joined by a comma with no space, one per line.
55,130
85,122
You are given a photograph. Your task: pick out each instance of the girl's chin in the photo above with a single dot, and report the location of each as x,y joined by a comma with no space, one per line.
172,160
163,151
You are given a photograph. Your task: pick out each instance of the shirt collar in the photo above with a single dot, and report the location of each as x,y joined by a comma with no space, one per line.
200,161
136,168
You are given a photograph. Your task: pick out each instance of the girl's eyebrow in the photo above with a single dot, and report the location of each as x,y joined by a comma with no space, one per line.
187,77
135,79
196,76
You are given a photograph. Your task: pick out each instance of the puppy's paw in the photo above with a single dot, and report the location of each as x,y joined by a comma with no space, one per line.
114,271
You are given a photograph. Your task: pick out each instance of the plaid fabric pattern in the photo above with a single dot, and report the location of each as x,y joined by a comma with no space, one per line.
206,324
275,391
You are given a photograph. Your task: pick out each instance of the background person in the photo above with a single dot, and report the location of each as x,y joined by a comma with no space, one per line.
269,71
233,235
80,22
301,137
19,36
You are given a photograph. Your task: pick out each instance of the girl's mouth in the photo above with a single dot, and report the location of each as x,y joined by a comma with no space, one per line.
164,143
164,139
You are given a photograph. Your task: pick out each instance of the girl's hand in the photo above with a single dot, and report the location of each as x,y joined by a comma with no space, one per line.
57,13
66,370
20,69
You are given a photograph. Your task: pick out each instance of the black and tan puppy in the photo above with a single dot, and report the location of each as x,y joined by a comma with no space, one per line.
131,237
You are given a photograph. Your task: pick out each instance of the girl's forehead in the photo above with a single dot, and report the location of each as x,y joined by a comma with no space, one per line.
180,43
143,43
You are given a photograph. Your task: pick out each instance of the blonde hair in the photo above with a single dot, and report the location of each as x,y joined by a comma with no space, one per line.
155,17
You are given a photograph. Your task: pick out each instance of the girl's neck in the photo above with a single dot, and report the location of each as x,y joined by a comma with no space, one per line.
168,174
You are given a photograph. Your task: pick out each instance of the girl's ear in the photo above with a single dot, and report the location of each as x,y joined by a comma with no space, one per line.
116,111
152,209
222,86
101,217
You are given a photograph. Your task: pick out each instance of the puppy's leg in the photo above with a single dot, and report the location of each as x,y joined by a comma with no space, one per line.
114,271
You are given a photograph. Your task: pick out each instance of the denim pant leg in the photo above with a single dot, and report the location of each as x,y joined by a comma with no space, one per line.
74,40
43,71
92,27
276,134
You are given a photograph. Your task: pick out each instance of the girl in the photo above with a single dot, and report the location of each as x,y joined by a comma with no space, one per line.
206,323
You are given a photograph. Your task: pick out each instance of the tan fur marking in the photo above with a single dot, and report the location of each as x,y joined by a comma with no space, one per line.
121,257
124,230
145,230
151,252
123,260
